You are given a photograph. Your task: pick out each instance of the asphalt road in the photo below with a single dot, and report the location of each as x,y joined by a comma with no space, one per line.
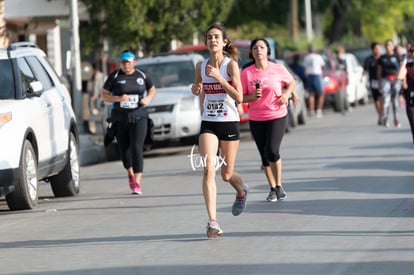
350,210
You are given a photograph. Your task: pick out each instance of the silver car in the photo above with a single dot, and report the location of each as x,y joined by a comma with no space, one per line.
175,111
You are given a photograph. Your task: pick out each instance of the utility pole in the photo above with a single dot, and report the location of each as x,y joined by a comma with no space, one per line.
308,12
294,20
4,38
76,62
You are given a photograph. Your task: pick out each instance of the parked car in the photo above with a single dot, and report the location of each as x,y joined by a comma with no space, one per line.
356,90
334,80
360,53
38,131
297,113
175,111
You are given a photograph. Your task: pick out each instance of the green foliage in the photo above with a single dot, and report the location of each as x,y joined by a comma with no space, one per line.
149,25
380,19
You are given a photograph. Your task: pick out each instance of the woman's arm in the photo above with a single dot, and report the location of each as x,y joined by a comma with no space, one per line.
235,90
197,85
150,95
108,97
402,72
284,98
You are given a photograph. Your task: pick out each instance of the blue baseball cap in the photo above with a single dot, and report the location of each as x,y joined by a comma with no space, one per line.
128,56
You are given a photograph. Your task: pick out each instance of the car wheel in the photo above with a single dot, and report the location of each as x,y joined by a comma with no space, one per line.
340,102
25,194
67,182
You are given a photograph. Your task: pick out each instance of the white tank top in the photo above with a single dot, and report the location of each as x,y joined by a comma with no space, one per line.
218,105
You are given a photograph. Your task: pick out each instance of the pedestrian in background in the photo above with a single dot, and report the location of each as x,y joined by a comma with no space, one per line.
314,64
370,68
129,89
267,87
390,86
298,69
217,82
94,89
97,82
86,74
406,74
341,59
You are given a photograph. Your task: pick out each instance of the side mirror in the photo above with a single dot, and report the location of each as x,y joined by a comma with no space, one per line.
36,88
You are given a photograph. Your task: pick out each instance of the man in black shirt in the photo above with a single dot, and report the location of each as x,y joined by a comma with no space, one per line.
370,67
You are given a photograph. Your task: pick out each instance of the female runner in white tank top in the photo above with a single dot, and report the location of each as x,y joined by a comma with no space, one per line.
217,82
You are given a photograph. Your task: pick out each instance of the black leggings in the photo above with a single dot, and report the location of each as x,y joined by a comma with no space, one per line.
268,136
409,108
131,137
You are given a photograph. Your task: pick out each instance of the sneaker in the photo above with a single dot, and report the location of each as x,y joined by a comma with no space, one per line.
240,203
319,114
385,123
272,196
213,229
131,180
280,193
137,189
397,123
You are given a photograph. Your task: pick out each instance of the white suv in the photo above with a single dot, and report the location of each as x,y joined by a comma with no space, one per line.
38,131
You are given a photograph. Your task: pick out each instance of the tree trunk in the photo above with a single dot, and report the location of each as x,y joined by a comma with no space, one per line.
4,37
336,30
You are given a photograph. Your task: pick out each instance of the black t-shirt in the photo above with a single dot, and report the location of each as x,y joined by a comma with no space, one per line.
410,76
341,63
390,64
370,66
135,85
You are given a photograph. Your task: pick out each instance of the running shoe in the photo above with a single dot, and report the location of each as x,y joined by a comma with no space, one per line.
137,189
213,230
397,123
240,203
280,193
131,180
319,114
272,196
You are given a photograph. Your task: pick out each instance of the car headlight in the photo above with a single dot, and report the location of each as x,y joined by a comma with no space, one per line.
188,103
4,118
326,80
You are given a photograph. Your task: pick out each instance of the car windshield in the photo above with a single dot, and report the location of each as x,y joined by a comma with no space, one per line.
6,80
169,74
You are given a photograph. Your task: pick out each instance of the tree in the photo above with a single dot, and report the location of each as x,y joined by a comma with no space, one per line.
4,37
373,19
148,25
